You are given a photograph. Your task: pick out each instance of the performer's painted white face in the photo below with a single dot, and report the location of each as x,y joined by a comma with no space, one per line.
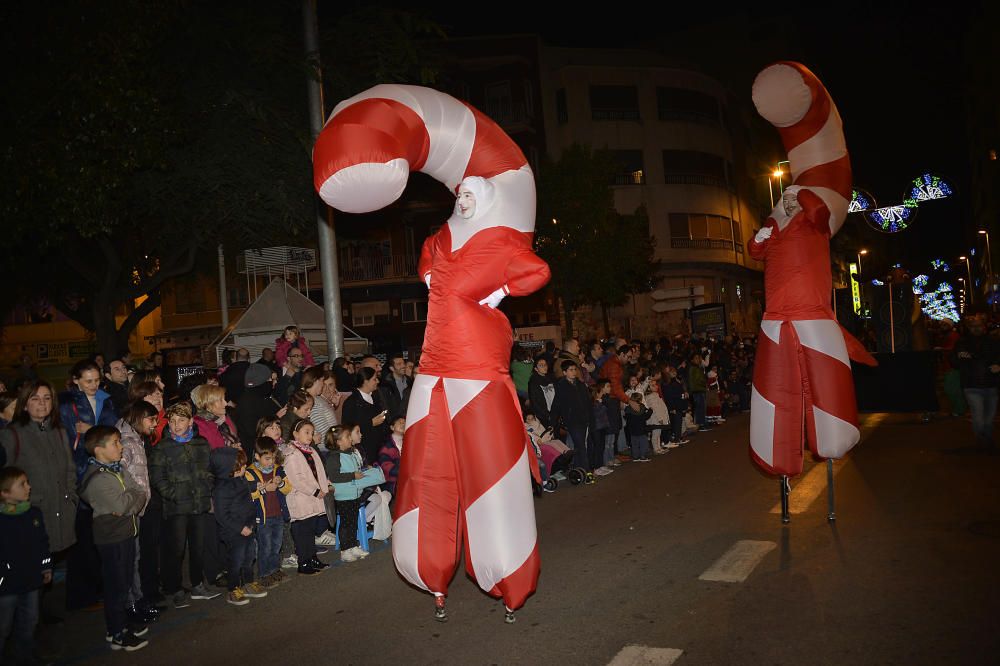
465,204
791,203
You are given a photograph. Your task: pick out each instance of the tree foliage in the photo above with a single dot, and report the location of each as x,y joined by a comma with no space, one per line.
597,255
142,133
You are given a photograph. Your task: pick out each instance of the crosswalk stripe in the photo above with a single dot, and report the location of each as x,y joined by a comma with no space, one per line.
738,562
643,655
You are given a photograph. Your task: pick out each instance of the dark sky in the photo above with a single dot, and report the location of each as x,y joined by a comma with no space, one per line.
896,74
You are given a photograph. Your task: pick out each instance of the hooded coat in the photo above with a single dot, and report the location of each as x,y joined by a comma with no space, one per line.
234,508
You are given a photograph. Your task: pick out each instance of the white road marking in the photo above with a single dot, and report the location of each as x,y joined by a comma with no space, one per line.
643,655
738,562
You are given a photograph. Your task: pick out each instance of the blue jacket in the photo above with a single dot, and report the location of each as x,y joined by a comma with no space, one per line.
75,408
340,469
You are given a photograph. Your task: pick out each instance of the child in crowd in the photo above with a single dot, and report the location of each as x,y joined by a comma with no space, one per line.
676,397
116,500
299,405
343,468
388,455
25,561
713,400
599,426
306,510
236,518
269,486
178,472
289,340
270,426
658,418
636,415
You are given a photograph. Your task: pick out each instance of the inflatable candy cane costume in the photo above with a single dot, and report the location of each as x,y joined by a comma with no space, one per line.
802,382
466,461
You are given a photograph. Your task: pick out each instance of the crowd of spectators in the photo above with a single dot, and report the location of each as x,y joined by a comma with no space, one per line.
141,498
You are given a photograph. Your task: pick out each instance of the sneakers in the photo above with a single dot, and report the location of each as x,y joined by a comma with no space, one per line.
675,445
128,641
136,630
290,562
318,563
614,463
237,597
254,590
603,471
360,552
308,569
269,582
181,599
349,555
200,591
326,539
280,577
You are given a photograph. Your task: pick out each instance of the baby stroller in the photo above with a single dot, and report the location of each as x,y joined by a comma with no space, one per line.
558,459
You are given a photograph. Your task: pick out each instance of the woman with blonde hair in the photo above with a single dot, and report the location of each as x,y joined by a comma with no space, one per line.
211,419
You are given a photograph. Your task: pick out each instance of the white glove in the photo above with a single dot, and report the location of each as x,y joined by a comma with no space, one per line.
763,234
427,279
493,300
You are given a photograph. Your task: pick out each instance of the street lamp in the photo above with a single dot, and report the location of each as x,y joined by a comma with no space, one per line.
968,268
777,173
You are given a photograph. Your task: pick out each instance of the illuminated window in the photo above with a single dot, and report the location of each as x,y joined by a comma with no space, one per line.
632,170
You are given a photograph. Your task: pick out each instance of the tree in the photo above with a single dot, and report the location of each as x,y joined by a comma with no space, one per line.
142,133
597,255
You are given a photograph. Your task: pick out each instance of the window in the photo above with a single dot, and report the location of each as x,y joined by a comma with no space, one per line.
238,297
188,296
680,104
692,167
631,169
562,112
499,102
705,232
614,102
413,311
369,314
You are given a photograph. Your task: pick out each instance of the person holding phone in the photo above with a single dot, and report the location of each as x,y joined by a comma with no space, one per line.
364,407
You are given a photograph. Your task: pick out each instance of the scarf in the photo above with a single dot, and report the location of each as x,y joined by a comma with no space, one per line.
15,509
115,467
185,438
398,441
304,448
263,470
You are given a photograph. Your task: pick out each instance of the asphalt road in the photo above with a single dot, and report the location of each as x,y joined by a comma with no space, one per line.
907,574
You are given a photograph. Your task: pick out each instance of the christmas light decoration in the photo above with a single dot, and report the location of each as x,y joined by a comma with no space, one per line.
878,283
940,265
929,187
861,201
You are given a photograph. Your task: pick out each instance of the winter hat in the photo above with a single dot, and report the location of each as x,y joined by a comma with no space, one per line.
257,374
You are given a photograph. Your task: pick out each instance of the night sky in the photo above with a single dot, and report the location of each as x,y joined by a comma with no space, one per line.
895,73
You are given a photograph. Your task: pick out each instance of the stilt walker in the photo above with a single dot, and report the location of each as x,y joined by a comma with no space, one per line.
464,478
803,388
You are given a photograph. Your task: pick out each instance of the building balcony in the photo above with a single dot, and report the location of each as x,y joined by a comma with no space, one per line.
508,114
705,244
393,268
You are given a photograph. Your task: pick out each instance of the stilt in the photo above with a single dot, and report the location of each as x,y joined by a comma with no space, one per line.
785,489
440,614
831,514
508,616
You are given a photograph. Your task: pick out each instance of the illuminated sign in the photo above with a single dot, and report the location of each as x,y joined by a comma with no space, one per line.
855,289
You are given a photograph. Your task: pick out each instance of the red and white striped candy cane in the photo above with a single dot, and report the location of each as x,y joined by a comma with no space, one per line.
466,465
802,386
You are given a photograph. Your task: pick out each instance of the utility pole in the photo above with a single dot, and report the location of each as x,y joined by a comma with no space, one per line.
324,215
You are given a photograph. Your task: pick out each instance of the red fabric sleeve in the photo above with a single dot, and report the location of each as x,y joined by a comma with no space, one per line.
526,273
759,250
815,209
281,347
426,256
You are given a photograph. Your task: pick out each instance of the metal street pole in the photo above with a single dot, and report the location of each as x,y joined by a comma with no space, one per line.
223,294
970,287
324,215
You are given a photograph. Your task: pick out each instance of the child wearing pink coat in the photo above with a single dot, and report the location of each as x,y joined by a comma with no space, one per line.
304,468
292,339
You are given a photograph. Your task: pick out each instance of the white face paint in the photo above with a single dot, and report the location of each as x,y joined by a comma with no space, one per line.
790,203
465,204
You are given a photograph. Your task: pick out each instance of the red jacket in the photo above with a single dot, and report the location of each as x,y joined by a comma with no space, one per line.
612,371
282,347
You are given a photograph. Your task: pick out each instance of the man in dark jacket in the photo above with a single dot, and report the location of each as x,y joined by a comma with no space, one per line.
977,357
698,386
232,378
572,408
255,403
676,397
116,384
235,516
396,388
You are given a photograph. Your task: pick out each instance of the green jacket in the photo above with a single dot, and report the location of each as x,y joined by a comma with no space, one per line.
696,379
179,474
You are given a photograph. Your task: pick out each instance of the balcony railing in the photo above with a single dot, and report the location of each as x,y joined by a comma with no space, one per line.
695,179
370,269
506,112
705,244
